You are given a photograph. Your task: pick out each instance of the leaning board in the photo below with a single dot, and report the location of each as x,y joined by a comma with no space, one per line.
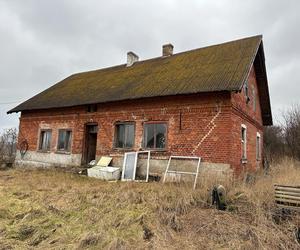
287,196
176,173
129,166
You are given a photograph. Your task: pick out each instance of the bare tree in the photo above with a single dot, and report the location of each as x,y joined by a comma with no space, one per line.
291,129
8,143
274,143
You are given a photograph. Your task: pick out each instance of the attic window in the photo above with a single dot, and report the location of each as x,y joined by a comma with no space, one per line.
92,108
254,99
246,89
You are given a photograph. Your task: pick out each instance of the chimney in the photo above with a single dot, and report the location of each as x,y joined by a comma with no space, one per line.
167,49
131,58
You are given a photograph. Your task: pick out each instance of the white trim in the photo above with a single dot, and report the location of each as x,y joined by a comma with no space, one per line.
124,166
258,147
183,172
135,165
244,144
148,164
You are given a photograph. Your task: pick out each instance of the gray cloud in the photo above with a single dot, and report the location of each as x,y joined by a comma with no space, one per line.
43,42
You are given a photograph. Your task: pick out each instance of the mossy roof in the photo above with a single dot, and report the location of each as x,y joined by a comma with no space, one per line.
222,67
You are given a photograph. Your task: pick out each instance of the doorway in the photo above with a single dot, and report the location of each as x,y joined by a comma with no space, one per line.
91,131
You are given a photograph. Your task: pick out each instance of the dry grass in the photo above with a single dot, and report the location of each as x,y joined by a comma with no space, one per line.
47,209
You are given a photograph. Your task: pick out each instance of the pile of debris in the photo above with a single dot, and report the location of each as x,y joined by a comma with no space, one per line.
131,170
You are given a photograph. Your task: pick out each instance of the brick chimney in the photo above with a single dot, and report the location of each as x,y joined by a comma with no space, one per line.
131,58
167,49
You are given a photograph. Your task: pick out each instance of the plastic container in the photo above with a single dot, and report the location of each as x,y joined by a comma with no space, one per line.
104,173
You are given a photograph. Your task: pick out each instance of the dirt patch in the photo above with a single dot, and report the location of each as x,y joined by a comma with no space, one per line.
89,240
24,232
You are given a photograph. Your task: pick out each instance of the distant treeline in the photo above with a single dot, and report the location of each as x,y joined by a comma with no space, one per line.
8,145
284,139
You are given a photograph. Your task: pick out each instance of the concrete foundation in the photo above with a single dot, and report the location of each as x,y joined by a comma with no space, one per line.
157,166
39,159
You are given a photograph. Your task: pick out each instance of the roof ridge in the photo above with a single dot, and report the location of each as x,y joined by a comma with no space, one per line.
174,55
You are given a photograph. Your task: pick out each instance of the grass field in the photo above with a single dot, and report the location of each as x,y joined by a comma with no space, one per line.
49,209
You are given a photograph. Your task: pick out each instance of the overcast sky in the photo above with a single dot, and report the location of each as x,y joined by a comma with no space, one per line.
42,42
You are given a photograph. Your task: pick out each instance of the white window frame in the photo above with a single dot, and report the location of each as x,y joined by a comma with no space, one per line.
244,144
128,123
69,146
41,140
258,146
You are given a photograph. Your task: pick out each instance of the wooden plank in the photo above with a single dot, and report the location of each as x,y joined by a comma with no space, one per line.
287,200
292,189
288,197
287,193
289,207
277,185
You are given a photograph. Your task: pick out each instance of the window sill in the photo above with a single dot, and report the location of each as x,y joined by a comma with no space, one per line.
139,149
155,149
244,161
124,149
63,152
43,151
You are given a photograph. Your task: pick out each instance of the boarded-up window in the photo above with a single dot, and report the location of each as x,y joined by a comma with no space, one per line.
64,140
155,135
244,142
45,140
124,135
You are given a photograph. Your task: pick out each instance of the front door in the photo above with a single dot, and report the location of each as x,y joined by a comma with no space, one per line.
90,142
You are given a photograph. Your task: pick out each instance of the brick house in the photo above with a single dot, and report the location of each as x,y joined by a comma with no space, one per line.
210,102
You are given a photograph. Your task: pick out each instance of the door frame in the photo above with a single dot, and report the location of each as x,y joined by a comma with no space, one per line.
85,141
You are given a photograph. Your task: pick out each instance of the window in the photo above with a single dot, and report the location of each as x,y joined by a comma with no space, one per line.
244,142
246,88
155,135
254,99
258,147
45,140
92,108
124,135
64,140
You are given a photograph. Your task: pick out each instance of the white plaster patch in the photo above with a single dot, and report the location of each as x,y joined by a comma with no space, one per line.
48,159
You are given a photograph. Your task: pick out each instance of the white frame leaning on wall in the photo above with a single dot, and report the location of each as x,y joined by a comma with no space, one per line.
183,172
135,165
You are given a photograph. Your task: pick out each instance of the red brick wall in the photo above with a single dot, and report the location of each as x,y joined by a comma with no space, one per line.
244,113
206,125
197,112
